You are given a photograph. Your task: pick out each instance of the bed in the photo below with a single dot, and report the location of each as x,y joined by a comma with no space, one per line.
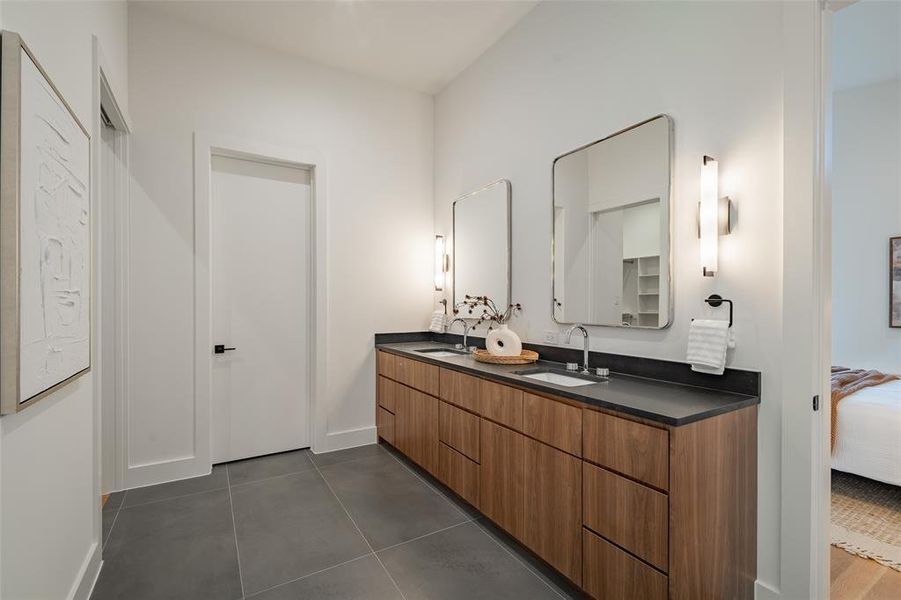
867,433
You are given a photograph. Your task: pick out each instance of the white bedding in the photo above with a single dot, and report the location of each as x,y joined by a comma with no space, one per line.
868,433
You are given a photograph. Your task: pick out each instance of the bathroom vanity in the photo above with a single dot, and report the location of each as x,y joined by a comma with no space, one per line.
631,488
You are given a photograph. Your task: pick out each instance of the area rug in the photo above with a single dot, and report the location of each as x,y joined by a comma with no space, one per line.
866,518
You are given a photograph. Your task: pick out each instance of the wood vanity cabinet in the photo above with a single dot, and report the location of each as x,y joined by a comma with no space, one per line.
624,507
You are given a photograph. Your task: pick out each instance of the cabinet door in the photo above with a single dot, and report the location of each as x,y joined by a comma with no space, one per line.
553,507
501,492
402,419
422,432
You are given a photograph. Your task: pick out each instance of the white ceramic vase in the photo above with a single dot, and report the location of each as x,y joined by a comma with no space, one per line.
503,341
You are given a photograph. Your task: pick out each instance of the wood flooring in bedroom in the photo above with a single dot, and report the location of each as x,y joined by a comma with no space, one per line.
856,578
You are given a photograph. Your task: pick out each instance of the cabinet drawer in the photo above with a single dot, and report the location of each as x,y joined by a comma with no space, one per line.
459,474
385,364
501,403
608,573
633,449
555,423
387,393
418,375
632,516
384,424
459,389
459,430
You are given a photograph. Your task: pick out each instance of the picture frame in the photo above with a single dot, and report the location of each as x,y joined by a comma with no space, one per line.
45,233
894,299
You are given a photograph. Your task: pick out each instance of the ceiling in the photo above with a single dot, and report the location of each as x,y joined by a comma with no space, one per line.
421,44
866,44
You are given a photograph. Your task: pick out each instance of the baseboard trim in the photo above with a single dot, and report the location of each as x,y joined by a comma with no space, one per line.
763,591
165,471
349,438
87,574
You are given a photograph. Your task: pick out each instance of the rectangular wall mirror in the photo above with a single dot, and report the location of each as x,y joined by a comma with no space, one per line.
482,241
612,253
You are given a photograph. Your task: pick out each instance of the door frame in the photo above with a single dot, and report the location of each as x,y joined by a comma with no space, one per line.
806,297
822,267
207,145
104,95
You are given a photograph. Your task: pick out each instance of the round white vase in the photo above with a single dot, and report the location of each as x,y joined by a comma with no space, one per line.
503,341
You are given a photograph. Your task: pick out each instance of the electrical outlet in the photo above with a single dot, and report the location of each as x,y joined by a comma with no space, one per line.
551,337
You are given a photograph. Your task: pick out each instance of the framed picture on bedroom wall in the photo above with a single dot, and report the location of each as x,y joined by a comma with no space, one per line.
895,282
45,233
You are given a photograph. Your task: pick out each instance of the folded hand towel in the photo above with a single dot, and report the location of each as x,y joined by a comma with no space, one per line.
439,321
707,344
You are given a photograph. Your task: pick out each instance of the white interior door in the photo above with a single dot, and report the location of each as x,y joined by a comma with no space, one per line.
260,308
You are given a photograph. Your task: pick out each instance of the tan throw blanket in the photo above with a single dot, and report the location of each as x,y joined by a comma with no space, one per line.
849,381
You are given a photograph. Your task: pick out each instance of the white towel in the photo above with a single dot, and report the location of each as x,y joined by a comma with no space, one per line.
707,344
439,321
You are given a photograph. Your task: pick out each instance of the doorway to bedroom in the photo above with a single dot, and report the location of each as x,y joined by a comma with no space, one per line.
865,528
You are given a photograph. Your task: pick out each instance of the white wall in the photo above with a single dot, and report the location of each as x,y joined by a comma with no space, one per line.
50,512
866,205
570,73
378,142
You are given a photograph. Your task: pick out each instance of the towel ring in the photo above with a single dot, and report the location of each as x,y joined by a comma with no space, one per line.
715,300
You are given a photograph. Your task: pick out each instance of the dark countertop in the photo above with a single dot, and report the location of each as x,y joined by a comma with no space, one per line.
652,399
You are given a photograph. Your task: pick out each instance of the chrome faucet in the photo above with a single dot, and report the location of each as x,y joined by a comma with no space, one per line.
569,337
466,328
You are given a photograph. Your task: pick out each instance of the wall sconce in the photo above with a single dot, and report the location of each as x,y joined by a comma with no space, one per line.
440,263
714,217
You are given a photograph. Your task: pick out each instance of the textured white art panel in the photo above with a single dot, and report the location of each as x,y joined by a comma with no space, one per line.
55,239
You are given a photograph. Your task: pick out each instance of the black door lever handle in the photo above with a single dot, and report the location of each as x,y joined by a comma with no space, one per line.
220,349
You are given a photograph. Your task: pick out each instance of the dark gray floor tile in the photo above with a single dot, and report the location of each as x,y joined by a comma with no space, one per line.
114,502
546,573
289,527
461,562
461,504
164,491
108,518
362,579
182,548
272,465
388,502
331,458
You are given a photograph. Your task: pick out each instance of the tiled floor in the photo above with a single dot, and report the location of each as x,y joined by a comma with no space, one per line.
360,523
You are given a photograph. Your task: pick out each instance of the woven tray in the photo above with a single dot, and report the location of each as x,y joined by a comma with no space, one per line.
525,357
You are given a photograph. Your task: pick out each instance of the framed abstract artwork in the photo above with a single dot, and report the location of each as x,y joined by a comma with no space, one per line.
894,282
45,233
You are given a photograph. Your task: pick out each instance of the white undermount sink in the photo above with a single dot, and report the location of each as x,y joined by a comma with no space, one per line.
559,379
441,352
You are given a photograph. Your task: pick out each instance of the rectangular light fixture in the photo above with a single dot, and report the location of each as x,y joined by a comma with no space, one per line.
440,263
708,217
